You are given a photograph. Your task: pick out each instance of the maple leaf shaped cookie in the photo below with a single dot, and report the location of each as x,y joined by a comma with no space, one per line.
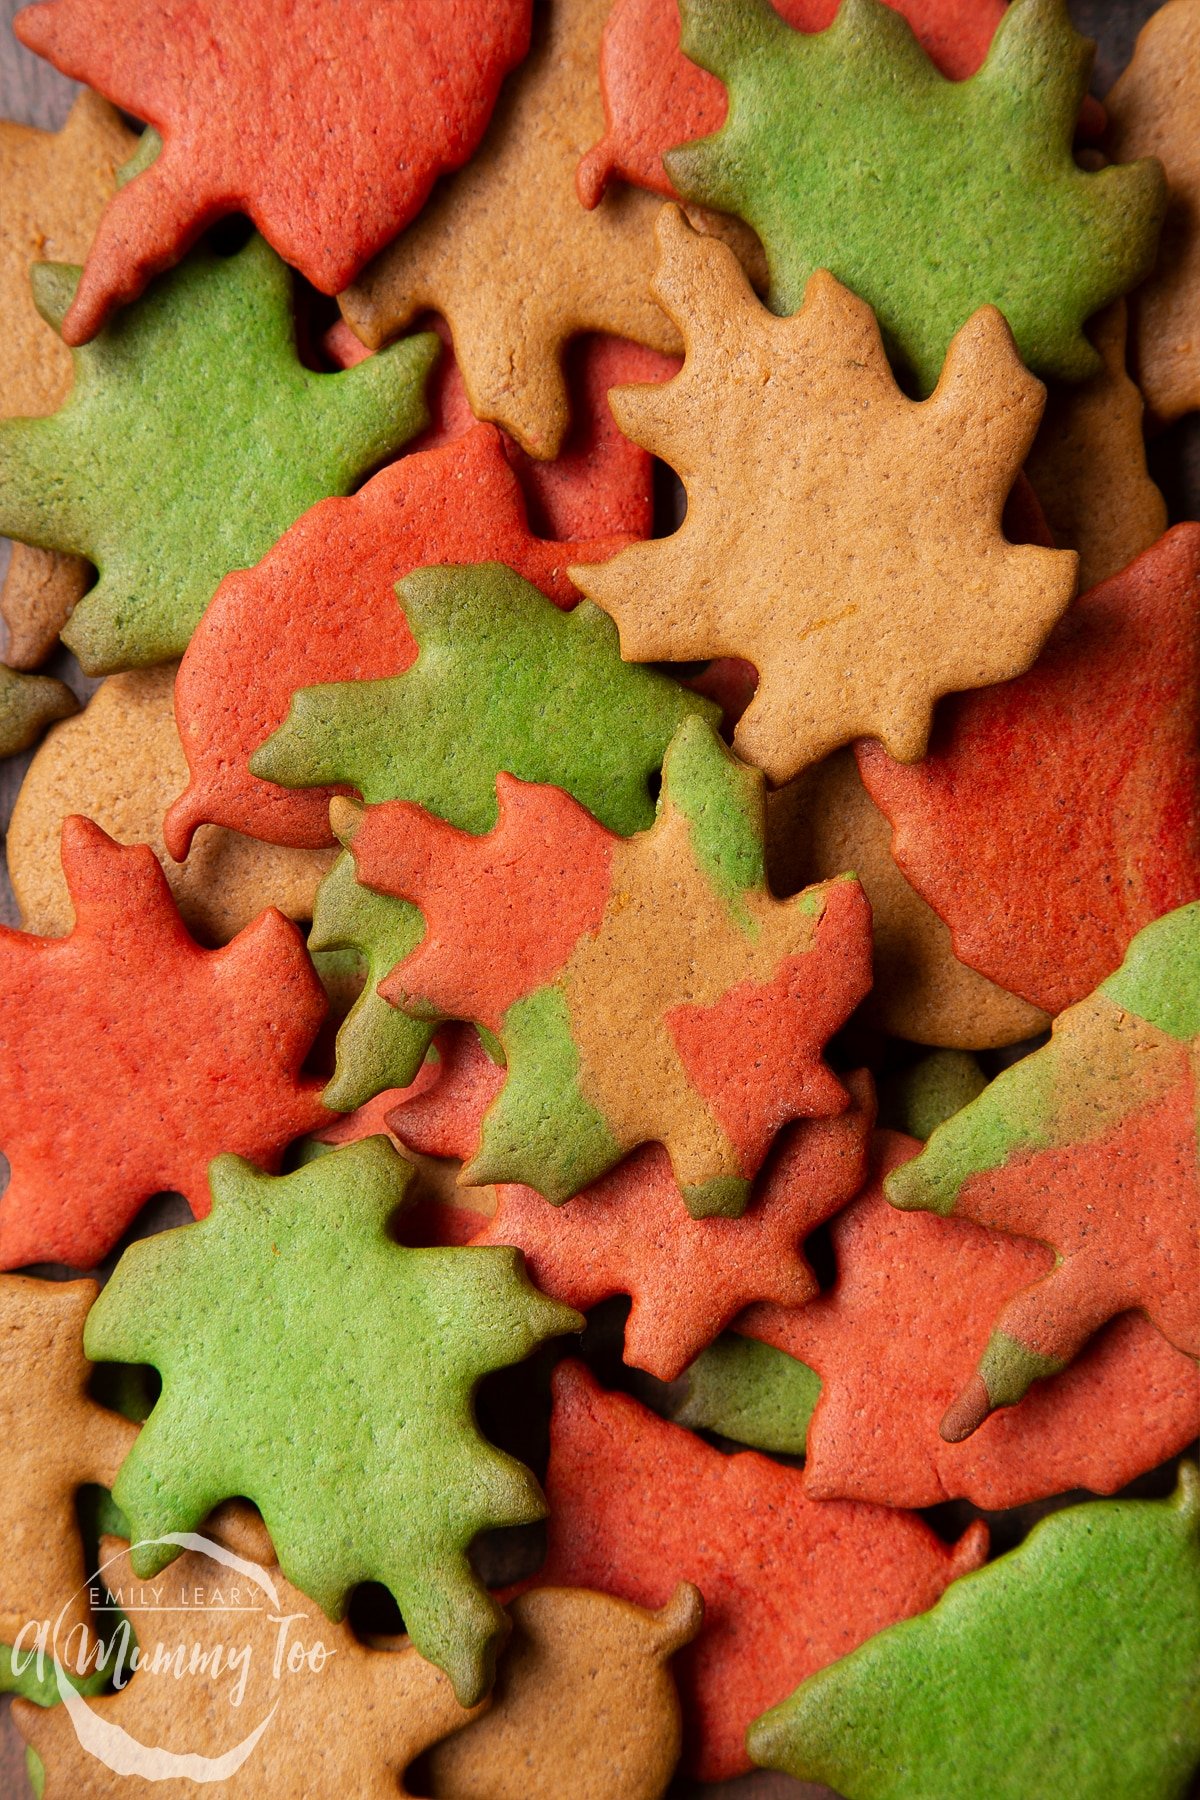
987,1693
638,1505
191,440
843,538
1100,815
848,151
55,186
129,1055
1089,1145
327,121
513,210
385,1477
174,1726
644,990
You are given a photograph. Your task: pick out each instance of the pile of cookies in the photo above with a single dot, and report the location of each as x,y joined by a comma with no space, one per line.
640,778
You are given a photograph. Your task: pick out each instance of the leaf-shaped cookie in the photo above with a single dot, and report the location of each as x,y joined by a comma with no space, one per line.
633,983
637,1505
843,538
512,211
1089,1145
129,1056
899,1333
655,99
327,121
848,151
325,598
192,438
1069,1666
327,1716
384,1475
1056,815
1152,113
28,704
55,187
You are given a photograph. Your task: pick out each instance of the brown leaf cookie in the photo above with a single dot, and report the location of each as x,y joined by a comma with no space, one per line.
824,822
508,255
1152,112
55,187
584,1706
121,764
1088,463
843,538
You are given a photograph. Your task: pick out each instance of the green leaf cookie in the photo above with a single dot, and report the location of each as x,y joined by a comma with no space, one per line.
847,150
28,703
752,1393
504,680
192,438
1070,1667
313,1365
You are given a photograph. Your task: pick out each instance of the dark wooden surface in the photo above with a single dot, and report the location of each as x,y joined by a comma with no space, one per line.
35,94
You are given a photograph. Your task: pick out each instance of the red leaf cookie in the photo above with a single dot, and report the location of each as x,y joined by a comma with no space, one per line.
789,1583
324,602
1057,814
130,1056
631,1233
898,1336
655,99
327,121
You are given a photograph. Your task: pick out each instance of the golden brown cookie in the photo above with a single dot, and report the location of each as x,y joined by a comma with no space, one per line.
1088,463
55,187
824,823
121,764
1154,111
506,252
584,1707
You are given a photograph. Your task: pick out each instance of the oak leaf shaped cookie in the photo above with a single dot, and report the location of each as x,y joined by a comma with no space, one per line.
655,99
644,990
384,1476
899,1332
1090,1146
327,121
1152,113
325,598
191,440
1069,1666
1058,814
129,1055
55,188
843,538
343,1719
513,210
638,1505
848,151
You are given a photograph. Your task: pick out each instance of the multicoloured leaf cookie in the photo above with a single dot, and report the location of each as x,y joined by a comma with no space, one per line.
1091,762
584,1703
327,1717
461,257
655,99
192,438
841,537
643,990
1069,1666
896,1338
1152,113
327,121
55,188
129,1055
1088,1145
849,151
385,1477
325,596
637,1505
